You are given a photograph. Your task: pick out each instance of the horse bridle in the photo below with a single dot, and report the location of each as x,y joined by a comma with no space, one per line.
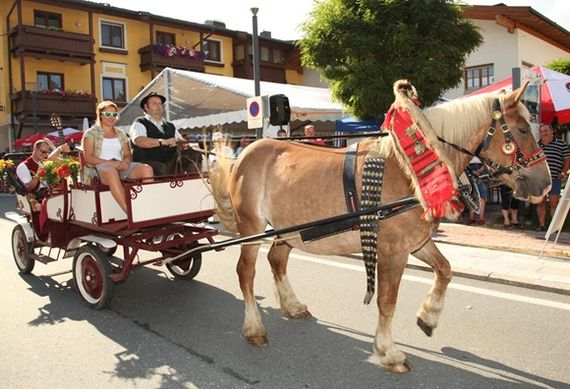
520,159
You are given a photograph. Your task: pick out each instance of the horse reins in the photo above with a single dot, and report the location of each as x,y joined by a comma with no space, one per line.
510,147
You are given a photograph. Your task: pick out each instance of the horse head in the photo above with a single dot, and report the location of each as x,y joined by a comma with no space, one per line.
512,149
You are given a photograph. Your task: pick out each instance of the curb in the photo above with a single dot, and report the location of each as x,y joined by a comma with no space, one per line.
548,252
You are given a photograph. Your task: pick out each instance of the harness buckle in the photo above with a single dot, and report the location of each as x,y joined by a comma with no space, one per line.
497,115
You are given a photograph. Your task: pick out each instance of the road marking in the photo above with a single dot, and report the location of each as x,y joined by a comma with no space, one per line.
465,288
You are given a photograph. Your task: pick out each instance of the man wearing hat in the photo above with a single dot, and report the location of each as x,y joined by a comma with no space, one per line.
154,139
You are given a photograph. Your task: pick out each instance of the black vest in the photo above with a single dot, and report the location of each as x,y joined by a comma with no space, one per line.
160,153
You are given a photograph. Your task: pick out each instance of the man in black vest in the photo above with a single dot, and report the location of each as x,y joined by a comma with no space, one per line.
154,139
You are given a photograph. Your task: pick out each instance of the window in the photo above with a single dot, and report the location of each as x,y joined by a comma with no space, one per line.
112,35
49,81
48,20
278,56
213,50
114,89
239,52
264,51
165,38
479,76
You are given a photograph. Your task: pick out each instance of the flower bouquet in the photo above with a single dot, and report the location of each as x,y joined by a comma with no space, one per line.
52,173
5,165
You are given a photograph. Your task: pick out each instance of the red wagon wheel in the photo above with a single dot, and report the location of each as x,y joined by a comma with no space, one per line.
22,249
91,270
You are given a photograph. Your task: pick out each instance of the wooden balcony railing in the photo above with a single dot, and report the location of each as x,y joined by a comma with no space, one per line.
151,60
75,106
269,72
44,43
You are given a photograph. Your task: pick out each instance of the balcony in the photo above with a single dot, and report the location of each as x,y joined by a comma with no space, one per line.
50,44
269,72
45,105
153,59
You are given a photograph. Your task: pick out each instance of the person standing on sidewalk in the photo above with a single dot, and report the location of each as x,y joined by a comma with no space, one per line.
479,169
509,208
557,155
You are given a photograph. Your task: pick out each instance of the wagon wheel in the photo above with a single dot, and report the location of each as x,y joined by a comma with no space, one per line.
186,268
91,270
22,250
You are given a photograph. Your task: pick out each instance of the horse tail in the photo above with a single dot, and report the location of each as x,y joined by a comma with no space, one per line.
219,174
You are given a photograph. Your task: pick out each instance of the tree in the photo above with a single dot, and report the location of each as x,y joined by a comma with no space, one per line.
361,47
561,65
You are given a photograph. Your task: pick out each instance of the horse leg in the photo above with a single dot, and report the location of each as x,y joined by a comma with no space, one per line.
252,329
278,257
390,270
430,310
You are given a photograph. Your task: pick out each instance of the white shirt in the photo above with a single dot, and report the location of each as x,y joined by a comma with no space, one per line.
138,129
24,174
111,149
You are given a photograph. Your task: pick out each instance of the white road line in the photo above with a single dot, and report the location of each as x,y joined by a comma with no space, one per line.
465,288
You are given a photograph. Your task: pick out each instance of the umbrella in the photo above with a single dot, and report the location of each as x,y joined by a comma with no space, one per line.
29,140
554,94
74,137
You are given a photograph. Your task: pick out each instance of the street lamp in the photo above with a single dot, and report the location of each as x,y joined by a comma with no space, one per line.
256,73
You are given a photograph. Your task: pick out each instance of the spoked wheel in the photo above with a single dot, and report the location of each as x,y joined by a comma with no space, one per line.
185,268
91,270
22,249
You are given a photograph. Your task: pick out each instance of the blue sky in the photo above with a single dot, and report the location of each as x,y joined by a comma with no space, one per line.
282,18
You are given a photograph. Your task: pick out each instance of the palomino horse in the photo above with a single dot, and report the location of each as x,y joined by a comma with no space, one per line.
285,184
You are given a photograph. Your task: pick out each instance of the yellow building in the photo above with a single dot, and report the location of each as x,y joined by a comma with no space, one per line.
63,56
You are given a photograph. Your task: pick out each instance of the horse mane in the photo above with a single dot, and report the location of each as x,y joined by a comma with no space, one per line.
459,119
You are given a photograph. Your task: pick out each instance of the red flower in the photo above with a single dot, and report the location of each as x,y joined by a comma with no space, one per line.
42,172
64,171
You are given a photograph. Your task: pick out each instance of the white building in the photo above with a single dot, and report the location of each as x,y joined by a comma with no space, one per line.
512,37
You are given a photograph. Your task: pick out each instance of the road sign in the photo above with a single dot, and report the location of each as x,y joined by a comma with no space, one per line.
255,112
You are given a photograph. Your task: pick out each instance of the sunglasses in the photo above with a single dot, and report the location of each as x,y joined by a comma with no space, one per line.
44,151
108,114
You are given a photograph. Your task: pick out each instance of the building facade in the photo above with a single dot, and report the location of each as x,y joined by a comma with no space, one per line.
513,37
63,56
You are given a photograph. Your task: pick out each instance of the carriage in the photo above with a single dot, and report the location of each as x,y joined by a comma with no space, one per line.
281,184
165,217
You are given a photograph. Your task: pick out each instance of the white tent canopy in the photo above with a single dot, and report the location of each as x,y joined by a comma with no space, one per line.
196,100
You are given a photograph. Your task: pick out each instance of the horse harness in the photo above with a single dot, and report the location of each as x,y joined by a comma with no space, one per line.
520,159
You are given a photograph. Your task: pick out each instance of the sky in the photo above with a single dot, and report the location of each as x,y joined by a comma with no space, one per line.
283,17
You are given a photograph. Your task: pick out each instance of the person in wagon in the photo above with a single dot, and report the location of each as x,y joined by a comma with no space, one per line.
107,154
154,138
43,150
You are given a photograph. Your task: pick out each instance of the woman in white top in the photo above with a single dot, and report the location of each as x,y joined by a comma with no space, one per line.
107,153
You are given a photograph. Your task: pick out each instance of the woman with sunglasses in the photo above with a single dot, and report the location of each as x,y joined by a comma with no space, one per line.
107,154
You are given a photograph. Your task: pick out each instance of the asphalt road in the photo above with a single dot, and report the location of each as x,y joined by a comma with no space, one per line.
177,334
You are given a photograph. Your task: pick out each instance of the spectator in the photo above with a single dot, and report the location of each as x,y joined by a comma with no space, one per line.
310,131
243,143
557,155
281,133
509,208
107,154
479,170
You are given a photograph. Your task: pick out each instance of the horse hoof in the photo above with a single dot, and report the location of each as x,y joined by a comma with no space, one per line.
425,328
257,341
302,315
399,367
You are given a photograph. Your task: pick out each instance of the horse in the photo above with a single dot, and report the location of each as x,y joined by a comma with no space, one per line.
185,160
284,183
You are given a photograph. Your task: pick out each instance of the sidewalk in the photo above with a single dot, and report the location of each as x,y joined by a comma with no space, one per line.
516,262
